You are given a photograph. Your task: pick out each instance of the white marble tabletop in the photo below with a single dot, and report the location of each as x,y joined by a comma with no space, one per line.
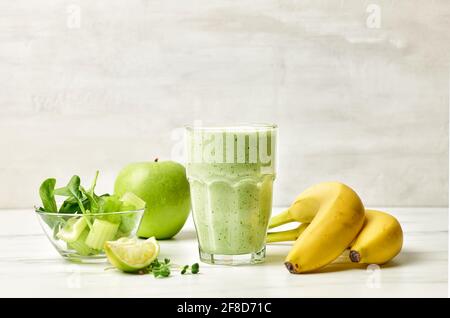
30,267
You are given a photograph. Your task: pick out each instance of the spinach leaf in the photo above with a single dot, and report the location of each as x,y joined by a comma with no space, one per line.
74,187
92,201
69,206
47,194
72,190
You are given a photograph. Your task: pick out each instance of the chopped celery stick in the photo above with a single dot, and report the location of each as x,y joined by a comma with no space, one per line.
72,229
130,199
128,223
101,232
110,217
110,204
80,245
107,205
130,202
127,207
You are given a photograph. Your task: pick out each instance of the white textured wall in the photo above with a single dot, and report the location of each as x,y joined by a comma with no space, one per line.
357,103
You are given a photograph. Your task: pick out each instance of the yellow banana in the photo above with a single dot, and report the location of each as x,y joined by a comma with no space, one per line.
302,210
289,235
336,214
380,239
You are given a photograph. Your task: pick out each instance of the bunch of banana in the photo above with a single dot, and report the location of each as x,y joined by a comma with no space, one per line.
333,219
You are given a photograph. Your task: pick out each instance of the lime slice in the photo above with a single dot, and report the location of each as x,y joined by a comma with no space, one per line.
130,254
131,199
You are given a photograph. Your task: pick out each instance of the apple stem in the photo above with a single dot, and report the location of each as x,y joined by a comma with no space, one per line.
156,159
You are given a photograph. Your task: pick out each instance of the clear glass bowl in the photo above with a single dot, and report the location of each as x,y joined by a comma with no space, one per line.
80,237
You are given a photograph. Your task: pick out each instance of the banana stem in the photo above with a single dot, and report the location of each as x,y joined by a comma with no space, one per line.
282,236
289,235
280,219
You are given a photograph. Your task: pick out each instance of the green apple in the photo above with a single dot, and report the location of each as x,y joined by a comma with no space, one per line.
164,187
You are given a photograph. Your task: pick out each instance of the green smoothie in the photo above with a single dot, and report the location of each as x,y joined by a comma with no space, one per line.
231,171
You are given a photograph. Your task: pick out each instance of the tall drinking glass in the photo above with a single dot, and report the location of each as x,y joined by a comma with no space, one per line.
231,170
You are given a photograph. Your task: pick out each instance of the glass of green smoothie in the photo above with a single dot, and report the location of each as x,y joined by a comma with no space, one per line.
231,170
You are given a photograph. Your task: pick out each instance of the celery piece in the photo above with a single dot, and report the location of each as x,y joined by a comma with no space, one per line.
130,199
72,229
107,205
101,232
80,245
130,202
110,217
127,207
127,223
110,204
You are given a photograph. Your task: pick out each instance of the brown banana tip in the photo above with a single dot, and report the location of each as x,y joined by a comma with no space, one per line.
291,268
355,257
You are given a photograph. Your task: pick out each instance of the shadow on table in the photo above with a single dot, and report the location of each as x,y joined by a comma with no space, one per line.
186,235
405,258
343,263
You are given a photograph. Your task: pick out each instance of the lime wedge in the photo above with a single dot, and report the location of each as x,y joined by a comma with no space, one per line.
130,254
131,199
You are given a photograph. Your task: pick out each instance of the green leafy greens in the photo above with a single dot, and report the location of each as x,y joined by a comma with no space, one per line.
73,191
163,269
79,199
47,193
160,269
195,268
93,222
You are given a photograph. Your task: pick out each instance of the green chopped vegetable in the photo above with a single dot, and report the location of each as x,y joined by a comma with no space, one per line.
127,223
80,245
109,204
72,229
101,232
132,202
